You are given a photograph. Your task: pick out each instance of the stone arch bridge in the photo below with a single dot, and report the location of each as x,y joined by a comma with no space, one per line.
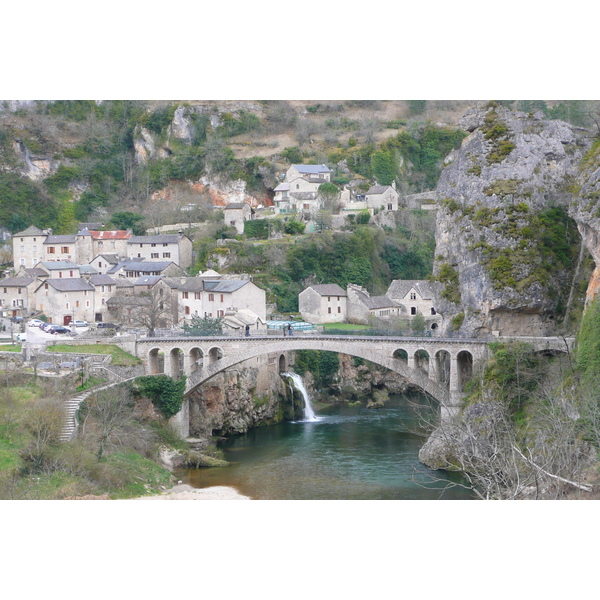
438,366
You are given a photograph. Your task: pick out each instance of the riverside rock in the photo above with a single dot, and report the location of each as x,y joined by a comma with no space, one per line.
496,270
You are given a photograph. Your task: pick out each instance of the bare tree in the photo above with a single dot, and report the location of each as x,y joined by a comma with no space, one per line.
106,416
44,422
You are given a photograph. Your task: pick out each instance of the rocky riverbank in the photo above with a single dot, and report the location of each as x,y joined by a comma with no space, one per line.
187,492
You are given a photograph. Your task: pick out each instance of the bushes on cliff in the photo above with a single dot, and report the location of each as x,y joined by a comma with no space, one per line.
166,393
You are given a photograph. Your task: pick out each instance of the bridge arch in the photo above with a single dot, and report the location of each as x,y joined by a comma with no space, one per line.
381,355
196,359
176,362
464,361
156,362
282,367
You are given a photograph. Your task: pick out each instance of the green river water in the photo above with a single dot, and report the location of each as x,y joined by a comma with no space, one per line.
349,453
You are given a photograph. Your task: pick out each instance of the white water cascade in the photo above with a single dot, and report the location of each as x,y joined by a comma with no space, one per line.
309,413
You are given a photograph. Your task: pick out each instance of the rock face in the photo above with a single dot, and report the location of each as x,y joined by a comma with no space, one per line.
504,242
237,400
585,209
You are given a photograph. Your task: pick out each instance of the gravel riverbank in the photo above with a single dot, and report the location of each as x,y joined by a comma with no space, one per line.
183,491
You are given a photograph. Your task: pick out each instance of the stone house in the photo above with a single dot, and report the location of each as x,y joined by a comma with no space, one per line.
28,249
236,214
383,197
415,296
104,287
298,192
16,295
65,299
364,308
103,262
212,298
107,242
176,248
325,303
60,269
135,269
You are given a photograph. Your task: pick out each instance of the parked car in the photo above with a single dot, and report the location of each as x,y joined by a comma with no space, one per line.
35,323
17,319
79,323
46,326
107,325
57,329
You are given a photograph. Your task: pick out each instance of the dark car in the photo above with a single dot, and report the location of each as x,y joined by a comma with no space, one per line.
106,325
57,329
17,319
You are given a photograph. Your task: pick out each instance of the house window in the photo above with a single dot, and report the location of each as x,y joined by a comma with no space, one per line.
65,249
329,310
166,255
165,245
389,207
413,310
187,310
222,299
339,309
220,313
154,255
67,306
87,303
23,248
413,296
433,311
60,274
35,248
211,297
197,296
5,290
76,303
152,245
50,250
328,298
70,273
185,295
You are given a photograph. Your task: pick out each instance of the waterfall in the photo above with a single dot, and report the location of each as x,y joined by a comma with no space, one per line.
309,413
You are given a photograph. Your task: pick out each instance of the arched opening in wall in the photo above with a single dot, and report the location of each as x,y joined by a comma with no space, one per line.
401,355
442,367
196,359
422,360
434,326
176,362
465,368
282,364
156,361
214,354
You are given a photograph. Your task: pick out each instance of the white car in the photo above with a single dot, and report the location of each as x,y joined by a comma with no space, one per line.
35,323
79,323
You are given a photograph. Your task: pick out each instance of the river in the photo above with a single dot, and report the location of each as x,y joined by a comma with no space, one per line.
348,453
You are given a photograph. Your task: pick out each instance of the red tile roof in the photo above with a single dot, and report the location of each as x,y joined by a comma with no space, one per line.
111,235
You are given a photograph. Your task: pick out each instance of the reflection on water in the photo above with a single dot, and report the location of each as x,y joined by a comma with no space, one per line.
349,453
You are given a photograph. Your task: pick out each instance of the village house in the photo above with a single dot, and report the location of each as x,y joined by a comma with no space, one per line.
135,269
16,295
298,192
176,248
326,303
65,299
28,249
382,197
107,242
104,287
235,214
416,297
103,262
60,269
363,308
212,298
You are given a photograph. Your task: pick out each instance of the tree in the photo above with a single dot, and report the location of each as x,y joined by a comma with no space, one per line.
128,220
203,326
105,414
329,194
44,422
383,167
150,309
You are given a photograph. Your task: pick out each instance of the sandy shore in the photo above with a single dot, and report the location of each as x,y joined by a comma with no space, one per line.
187,492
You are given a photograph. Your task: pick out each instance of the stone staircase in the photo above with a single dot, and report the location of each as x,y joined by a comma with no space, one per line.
72,403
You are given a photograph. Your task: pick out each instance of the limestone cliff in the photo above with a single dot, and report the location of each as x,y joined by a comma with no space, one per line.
237,400
585,209
505,246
